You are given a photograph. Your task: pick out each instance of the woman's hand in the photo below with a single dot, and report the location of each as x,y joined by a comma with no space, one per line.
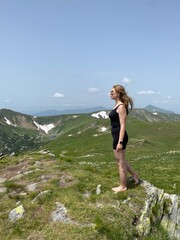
119,147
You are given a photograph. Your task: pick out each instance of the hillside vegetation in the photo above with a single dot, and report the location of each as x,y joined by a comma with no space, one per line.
21,132
74,177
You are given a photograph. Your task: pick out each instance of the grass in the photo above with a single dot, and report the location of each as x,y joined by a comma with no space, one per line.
84,159
94,215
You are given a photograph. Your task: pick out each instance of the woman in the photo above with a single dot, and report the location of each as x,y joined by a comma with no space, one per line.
120,137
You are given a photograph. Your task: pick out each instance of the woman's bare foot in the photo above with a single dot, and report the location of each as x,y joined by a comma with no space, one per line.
119,189
136,179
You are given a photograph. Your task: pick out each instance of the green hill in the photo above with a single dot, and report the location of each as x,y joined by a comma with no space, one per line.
75,174
21,132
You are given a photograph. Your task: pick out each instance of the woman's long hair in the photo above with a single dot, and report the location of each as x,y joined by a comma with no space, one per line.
123,97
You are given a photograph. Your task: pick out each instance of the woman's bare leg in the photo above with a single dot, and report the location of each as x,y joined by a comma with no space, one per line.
132,172
120,157
124,167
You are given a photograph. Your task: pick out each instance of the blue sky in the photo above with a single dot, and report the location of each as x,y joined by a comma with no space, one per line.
67,54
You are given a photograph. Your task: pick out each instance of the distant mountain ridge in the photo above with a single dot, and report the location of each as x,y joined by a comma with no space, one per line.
154,109
55,112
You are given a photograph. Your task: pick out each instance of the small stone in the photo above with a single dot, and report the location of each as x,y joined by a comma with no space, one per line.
37,163
60,214
40,195
87,194
2,189
32,187
16,213
2,180
98,189
16,177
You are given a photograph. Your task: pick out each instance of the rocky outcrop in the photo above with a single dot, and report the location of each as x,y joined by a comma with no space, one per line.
160,208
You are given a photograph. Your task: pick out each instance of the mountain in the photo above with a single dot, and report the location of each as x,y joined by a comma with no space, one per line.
144,115
54,112
21,132
154,110
70,111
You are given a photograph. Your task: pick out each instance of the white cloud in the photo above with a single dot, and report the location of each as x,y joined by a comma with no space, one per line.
7,100
58,95
169,97
94,90
146,92
126,80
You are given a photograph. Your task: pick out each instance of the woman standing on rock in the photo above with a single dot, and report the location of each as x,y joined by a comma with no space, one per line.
120,137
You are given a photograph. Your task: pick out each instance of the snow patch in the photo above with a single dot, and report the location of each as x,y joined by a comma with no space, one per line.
45,128
102,114
103,129
9,122
155,113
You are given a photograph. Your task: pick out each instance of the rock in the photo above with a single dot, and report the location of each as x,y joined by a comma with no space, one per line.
87,194
44,151
60,214
16,177
32,187
66,180
16,213
2,189
160,208
28,172
126,200
2,180
2,155
12,154
37,163
22,194
98,189
144,226
40,195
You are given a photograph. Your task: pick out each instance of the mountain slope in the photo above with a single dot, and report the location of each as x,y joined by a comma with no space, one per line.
21,132
144,115
64,192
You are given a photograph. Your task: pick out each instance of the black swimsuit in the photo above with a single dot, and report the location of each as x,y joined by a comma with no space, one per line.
115,128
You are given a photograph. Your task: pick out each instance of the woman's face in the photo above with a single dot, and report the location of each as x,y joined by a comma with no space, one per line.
113,94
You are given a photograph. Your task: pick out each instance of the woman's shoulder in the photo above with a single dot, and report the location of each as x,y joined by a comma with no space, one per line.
121,108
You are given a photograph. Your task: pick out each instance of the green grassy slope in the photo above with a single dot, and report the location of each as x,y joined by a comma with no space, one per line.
153,148
83,160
